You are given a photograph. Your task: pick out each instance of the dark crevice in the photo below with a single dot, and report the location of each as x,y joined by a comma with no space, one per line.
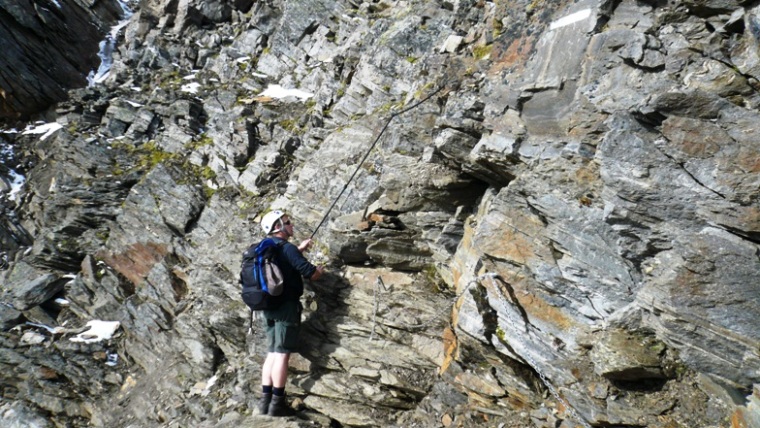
468,131
126,286
218,358
607,9
490,317
750,236
254,138
50,307
192,223
490,321
535,211
649,119
591,303
633,64
516,303
696,180
179,286
640,385
307,32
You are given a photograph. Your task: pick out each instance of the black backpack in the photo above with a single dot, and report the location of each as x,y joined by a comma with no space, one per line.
260,277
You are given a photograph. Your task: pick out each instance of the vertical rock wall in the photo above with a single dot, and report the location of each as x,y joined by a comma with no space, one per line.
48,47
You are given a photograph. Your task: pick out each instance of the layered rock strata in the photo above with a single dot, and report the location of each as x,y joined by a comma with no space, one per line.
49,47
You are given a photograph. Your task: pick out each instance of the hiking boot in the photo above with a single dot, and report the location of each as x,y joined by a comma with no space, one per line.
279,406
264,403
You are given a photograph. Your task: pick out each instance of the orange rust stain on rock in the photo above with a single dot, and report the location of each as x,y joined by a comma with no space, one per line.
137,261
688,283
750,217
535,307
449,349
698,148
588,173
510,245
47,373
518,401
539,309
458,303
693,137
738,420
576,372
515,54
749,162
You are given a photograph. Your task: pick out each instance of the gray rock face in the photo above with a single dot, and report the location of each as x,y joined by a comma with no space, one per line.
622,356
535,214
48,47
721,300
32,287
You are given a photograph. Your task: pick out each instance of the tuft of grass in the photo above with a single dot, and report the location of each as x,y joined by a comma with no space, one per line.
423,90
501,334
201,141
498,28
151,155
291,125
482,52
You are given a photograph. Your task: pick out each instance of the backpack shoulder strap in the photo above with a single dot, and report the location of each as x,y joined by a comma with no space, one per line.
276,249
277,242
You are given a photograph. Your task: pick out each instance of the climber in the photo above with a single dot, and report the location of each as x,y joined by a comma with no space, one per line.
283,322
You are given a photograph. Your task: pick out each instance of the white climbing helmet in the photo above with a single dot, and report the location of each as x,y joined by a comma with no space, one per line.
269,221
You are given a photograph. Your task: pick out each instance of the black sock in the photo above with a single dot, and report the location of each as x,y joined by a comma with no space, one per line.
266,389
278,391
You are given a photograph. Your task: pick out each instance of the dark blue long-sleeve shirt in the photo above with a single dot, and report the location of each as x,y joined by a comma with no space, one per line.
294,268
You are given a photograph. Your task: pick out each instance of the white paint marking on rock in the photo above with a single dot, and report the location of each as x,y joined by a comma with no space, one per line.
570,19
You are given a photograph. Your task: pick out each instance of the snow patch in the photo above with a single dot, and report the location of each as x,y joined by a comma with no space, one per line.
191,87
17,183
51,330
277,91
107,47
32,338
99,330
47,129
203,388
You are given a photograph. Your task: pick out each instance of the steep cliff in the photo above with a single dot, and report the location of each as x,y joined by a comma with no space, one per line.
558,224
49,46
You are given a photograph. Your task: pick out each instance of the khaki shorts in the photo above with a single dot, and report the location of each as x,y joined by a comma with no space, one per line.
283,325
